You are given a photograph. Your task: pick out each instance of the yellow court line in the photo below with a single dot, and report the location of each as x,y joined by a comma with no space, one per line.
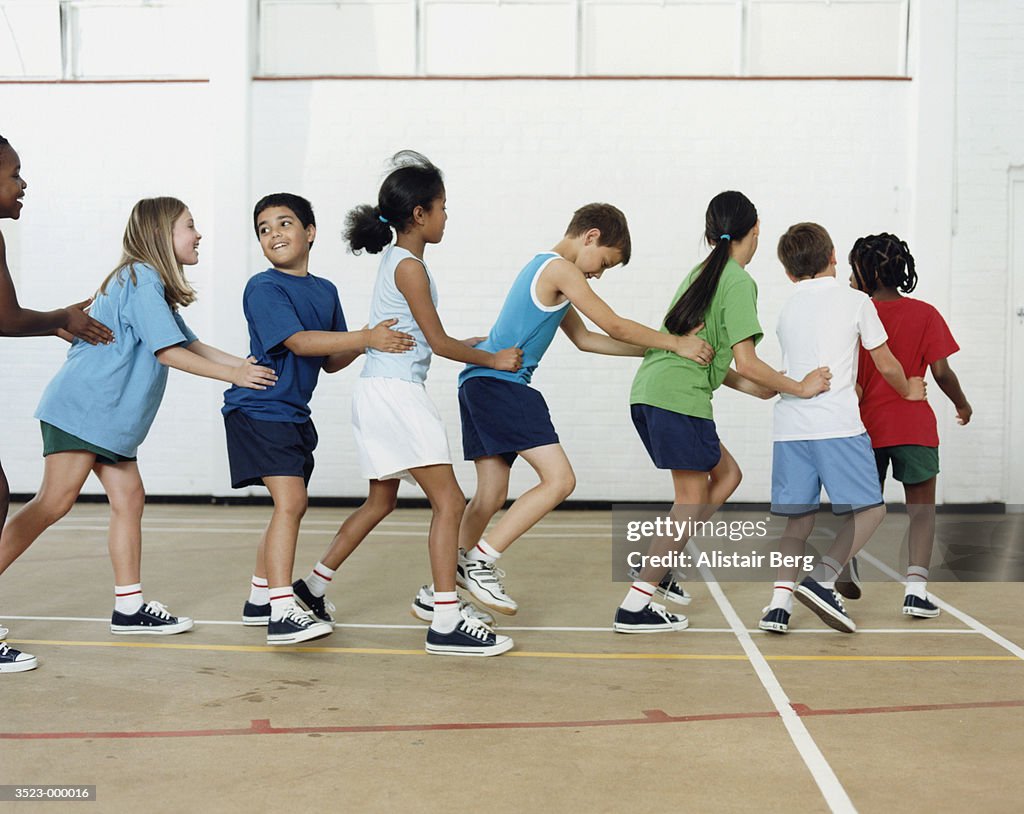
382,651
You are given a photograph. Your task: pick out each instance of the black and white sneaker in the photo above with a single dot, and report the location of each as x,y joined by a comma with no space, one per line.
152,619
921,608
423,608
670,587
3,633
775,620
470,638
652,618
296,626
14,661
254,615
848,581
825,604
319,606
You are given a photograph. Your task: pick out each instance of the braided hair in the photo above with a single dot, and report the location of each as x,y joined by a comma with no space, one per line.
882,261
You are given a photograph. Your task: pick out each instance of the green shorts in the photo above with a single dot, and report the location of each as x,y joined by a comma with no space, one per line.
910,463
56,440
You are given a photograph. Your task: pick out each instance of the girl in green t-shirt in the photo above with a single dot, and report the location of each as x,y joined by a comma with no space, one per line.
671,398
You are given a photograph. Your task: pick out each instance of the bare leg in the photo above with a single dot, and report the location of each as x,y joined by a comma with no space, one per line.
5,497
921,510
379,503
290,501
691,493
448,504
793,545
492,474
123,485
557,482
64,474
854,534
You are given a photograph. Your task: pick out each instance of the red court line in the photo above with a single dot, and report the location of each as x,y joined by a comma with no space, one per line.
261,726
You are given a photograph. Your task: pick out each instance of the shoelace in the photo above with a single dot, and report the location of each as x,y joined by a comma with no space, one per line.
475,628
298,615
661,610
4,648
494,575
159,610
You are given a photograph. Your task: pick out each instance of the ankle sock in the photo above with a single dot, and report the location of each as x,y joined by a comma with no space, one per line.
638,596
782,596
826,571
482,552
319,579
917,582
446,611
128,598
280,600
259,593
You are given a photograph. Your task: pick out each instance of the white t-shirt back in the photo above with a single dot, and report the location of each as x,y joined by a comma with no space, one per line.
823,325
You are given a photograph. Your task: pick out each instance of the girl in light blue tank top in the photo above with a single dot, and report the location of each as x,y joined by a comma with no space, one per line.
399,432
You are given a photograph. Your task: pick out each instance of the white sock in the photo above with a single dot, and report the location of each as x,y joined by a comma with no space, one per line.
319,579
638,596
259,593
280,600
482,552
128,598
446,611
917,582
826,571
782,596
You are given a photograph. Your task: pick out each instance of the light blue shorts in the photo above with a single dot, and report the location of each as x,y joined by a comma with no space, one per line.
844,466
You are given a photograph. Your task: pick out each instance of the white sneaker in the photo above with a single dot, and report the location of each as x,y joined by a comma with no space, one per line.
483,581
423,608
14,661
3,633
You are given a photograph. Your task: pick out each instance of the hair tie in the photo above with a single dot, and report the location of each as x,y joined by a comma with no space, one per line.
382,219
725,237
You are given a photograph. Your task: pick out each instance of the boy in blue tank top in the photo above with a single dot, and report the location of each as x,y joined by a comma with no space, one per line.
503,417
297,326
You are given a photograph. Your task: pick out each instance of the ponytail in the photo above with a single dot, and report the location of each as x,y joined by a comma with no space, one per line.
730,216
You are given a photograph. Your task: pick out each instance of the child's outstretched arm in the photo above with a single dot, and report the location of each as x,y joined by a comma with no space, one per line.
751,367
327,343
244,374
912,389
569,280
594,342
18,321
744,385
949,384
411,280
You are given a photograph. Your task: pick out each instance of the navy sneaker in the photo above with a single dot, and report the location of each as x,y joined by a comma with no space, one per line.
151,619
423,608
14,661
470,638
848,582
916,606
652,618
669,587
775,620
254,615
319,606
296,626
826,604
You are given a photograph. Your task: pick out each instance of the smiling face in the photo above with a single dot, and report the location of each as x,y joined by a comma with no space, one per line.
285,241
185,238
12,185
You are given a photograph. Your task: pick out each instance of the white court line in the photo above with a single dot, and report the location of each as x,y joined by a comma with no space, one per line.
227,521
831,789
150,528
543,629
968,620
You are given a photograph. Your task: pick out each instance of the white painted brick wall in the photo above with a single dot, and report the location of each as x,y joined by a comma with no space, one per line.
519,157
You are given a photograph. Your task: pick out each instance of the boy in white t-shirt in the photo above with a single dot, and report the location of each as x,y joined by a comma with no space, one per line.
821,440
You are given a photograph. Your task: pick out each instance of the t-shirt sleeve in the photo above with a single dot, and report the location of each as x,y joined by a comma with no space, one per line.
939,342
272,316
739,312
869,325
148,313
338,318
189,336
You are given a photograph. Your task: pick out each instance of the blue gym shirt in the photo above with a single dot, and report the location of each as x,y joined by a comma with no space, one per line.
524,322
108,395
276,306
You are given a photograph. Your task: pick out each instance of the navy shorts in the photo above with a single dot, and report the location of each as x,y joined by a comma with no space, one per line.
262,449
677,441
503,418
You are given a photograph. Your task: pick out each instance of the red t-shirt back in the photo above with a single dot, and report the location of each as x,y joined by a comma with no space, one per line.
918,336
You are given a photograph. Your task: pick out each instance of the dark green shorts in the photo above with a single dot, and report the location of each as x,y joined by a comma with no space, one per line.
910,463
56,440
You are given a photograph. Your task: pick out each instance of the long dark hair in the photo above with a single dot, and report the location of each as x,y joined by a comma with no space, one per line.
730,217
883,261
415,181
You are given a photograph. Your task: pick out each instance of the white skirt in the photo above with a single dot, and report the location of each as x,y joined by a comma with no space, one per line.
397,428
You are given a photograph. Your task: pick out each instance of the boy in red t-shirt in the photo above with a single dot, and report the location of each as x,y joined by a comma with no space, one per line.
904,432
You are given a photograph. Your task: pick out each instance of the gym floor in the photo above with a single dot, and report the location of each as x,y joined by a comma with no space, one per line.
906,714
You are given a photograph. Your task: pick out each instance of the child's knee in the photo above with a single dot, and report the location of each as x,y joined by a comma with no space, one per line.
380,506
293,506
55,506
131,499
563,484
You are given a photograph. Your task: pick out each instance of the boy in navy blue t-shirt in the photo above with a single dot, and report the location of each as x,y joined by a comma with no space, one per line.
297,327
